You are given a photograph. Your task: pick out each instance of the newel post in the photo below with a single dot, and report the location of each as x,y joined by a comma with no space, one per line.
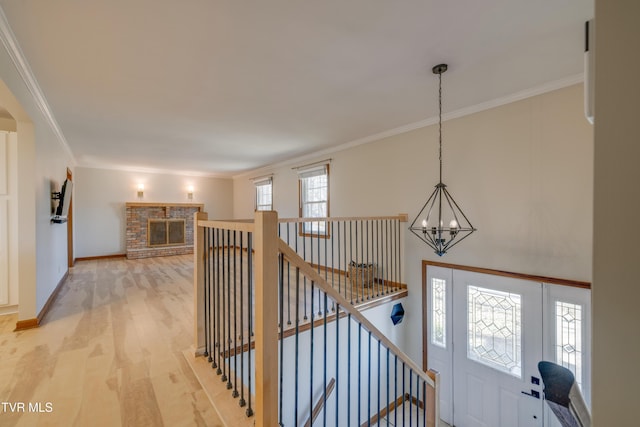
198,281
266,317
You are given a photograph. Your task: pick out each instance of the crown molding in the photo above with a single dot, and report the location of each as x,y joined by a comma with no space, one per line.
518,96
147,170
12,47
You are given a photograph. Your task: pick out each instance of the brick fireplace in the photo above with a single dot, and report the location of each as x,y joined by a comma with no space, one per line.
143,217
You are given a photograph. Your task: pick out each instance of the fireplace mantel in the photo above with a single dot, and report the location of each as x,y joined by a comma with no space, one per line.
164,205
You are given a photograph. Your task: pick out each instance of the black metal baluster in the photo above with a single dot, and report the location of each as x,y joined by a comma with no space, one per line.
250,315
242,402
337,360
389,400
359,372
207,343
333,303
281,318
377,257
379,379
410,396
311,349
424,407
219,250
403,394
324,367
395,390
288,280
352,280
348,369
235,317
368,271
339,261
369,380
225,307
359,282
212,295
319,300
304,278
399,249
229,341
296,355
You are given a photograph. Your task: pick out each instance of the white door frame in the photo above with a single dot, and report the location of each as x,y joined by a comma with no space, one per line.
563,289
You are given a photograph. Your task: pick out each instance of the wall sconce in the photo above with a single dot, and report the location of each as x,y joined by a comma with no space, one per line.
140,191
190,192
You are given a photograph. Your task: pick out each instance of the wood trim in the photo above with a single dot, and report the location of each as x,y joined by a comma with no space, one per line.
241,225
312,274
163,205
99,257
319,322
198,281
399,217
387,410
320,403
266,318
425,319
22,325
70,259
529,277
47,305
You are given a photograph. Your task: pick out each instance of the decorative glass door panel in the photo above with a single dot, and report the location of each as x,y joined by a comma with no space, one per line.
497,340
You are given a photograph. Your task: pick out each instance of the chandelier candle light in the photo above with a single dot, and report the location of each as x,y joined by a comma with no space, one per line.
440,207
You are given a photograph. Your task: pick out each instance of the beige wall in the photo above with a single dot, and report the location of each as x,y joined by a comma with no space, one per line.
41,163
101,194
616,290
522,172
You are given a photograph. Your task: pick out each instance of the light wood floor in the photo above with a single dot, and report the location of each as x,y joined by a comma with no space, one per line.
109,352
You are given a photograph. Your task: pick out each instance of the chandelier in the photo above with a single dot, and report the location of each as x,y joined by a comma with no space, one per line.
441,224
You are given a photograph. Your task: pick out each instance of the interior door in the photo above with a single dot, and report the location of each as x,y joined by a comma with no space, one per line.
497,337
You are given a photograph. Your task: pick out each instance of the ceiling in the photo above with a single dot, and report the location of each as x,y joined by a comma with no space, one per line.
222,87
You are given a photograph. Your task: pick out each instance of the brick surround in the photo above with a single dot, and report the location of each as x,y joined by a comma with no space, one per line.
137,216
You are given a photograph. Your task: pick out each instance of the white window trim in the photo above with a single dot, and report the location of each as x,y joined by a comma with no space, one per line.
259,182
309,172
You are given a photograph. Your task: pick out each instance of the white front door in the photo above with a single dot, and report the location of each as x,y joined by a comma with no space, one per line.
497,337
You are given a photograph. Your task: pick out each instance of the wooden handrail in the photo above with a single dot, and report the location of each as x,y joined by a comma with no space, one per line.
318,407
321,283
239,225
246,224
399,217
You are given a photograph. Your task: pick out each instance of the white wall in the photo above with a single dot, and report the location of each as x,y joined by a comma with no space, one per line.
522,173
101,194
616,293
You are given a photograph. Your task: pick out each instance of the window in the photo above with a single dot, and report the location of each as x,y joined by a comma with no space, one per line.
569,338
264,194
314,199
439,312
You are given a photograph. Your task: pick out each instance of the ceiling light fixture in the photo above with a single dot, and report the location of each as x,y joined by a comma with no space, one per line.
441,208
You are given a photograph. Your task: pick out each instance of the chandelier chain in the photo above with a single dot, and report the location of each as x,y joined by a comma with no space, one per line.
440,120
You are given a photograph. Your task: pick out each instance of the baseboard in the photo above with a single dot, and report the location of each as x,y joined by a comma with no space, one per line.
47,305
93,258
8,309
22,325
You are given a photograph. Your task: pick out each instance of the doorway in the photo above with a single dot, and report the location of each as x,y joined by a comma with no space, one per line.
486,331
